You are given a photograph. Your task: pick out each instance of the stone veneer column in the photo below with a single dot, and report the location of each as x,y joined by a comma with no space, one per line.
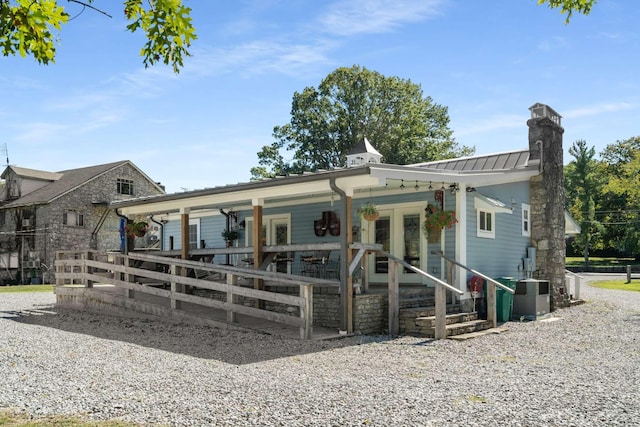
547,207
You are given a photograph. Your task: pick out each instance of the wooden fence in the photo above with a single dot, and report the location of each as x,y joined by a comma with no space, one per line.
149,274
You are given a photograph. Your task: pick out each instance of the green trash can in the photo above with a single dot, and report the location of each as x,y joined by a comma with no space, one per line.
504,299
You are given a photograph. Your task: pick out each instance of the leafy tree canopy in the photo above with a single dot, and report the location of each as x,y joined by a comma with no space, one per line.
350,103
570,6
29,27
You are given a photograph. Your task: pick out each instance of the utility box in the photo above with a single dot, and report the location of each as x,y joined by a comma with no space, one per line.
531,300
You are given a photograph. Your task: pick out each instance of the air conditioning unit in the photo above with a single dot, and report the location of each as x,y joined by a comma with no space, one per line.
33,264
26,223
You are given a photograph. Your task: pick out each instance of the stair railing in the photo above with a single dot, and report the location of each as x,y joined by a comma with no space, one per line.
491,288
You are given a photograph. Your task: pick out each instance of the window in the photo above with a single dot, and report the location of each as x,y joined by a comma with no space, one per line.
125,186
526,220
486,224
73,218
194,233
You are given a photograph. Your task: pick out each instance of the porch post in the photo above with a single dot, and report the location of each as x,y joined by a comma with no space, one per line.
348,254
461,240
184,234
257,245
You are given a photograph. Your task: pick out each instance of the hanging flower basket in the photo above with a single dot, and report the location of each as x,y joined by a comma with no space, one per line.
369,212
436,219
433,236
136,228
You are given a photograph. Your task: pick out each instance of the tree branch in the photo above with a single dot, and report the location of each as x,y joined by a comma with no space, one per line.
90,7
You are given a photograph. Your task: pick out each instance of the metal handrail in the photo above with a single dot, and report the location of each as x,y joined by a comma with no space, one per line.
422,273
476,272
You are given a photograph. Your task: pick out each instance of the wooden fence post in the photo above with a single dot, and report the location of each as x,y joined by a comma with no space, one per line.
306,311
175,287
440,330
232,298
394,298
491,304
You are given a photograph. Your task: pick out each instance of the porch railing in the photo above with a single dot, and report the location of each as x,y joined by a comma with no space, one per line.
492,314
441,288
126,272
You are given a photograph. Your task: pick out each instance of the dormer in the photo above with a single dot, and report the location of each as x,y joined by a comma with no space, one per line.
22,181
363,153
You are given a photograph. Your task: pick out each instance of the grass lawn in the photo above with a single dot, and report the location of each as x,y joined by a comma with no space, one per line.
600,261
25,288
10,418
618,285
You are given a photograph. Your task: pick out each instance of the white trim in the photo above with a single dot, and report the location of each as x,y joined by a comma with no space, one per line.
486,234
526,220
487,203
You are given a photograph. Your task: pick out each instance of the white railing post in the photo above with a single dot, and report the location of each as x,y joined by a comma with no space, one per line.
576,281
306,311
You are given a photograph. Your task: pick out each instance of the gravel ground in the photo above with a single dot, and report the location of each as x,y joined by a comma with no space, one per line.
581,370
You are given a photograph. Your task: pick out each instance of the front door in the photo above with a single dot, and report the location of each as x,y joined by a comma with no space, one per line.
399,232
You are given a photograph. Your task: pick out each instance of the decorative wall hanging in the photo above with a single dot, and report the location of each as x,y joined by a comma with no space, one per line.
328,222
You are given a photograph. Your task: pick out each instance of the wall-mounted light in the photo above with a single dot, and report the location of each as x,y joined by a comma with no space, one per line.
471,189
402,184
417,187
454,188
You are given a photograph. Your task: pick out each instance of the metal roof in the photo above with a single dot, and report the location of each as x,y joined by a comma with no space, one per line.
486,163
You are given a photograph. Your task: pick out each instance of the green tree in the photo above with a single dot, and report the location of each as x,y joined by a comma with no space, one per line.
570,6
582,189
621,194
326,122
30,27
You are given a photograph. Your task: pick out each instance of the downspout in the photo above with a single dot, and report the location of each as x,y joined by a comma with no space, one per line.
123,238
344,242
227,226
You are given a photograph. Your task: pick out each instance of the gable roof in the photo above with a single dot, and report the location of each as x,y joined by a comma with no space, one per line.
31,174
69,180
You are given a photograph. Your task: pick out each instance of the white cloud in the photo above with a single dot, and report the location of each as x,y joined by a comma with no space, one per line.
349,17
594,110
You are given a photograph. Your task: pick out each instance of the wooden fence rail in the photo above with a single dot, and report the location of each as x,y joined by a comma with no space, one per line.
143,273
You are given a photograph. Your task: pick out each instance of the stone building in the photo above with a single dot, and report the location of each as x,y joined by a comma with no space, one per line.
43,212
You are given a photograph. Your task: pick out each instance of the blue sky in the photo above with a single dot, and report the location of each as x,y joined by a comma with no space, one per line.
487,61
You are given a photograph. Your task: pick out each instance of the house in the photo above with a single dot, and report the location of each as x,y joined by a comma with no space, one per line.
44,212
509,210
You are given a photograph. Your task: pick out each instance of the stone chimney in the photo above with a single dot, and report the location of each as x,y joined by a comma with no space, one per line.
548,201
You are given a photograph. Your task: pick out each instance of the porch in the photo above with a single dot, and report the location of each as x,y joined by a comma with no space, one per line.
224,296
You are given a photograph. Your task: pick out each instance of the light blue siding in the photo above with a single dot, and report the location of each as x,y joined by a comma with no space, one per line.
502,256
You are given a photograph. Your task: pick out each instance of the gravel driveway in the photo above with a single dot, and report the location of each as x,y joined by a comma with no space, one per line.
581,370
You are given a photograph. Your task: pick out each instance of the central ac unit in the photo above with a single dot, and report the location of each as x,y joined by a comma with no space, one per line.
33,264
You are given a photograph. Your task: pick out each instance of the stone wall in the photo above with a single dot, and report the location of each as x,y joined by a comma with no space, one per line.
548,206
50,234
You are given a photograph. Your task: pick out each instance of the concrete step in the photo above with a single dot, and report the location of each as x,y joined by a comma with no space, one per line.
430,321
423,324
